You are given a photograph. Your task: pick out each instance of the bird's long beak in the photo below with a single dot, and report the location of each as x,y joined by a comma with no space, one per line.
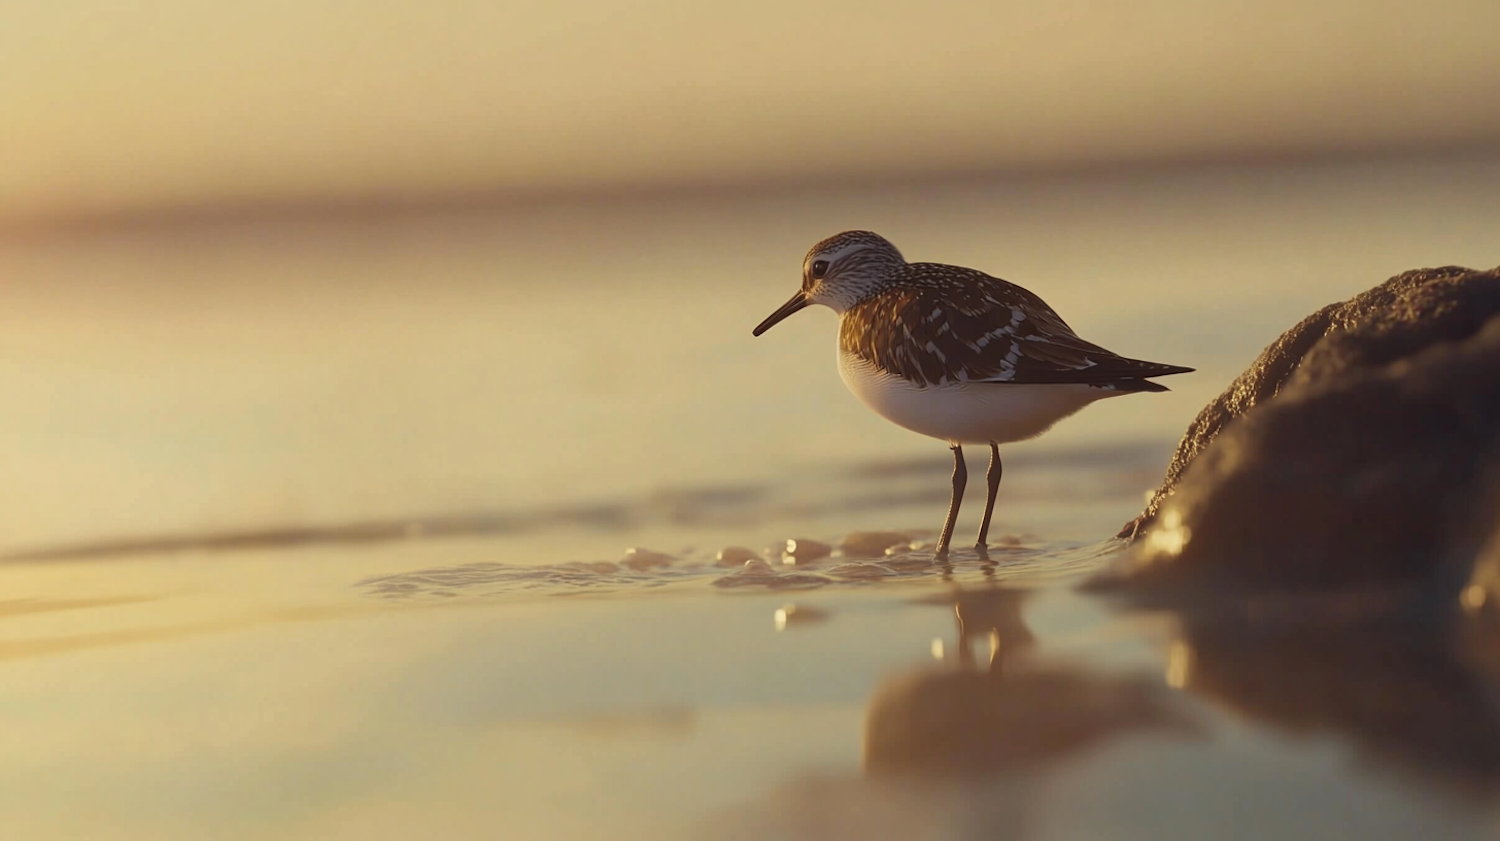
797,302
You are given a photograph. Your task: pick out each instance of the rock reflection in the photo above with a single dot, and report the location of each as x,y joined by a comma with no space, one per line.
1003,713
1417,701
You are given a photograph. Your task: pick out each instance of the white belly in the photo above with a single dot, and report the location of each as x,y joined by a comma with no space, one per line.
966,413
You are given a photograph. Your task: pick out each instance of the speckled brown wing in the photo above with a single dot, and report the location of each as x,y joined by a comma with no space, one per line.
946,324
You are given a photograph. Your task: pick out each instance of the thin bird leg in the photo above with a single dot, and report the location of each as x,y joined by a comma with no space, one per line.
993,478
960,478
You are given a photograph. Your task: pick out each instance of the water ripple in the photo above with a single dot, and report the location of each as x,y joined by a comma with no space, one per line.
1025,563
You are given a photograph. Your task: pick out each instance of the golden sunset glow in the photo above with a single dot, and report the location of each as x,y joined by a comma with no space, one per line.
110,107
388,447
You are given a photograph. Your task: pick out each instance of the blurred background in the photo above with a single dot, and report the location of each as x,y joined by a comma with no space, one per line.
314,279
307,263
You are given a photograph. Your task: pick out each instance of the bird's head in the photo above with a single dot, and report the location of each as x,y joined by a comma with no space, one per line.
839,272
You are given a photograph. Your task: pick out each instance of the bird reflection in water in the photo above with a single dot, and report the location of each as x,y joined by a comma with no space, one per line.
961,749
1007,713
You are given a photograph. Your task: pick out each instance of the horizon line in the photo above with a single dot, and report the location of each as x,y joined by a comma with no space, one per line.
395,204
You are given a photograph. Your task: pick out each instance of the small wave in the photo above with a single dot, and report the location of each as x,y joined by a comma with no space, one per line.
644,569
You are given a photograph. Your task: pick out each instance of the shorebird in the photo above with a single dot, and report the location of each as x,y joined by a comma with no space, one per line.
956,354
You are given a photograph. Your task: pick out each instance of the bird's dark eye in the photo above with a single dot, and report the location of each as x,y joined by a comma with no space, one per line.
819,268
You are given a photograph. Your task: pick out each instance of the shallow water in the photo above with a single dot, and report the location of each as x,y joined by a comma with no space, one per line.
321,532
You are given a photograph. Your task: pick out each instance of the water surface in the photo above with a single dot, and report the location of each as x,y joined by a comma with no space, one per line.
321,531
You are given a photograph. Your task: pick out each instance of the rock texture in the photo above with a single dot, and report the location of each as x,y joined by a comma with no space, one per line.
1363,446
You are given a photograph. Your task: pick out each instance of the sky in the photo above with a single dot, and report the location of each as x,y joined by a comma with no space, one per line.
116,108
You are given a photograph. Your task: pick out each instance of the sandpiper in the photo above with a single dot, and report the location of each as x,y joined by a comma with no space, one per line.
956,354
